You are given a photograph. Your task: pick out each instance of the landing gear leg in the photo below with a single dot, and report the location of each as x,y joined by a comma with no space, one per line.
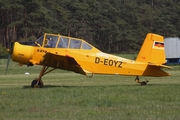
141,83
37,82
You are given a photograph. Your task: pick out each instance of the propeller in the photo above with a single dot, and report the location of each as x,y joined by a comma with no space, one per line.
10,51
11,48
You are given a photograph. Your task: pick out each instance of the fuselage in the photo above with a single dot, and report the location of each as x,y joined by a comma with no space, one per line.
93,62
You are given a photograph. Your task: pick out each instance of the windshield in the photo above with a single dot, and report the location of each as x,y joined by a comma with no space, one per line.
40,40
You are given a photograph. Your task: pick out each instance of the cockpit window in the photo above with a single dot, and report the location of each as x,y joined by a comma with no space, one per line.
75,44
63,43
50,41
86,46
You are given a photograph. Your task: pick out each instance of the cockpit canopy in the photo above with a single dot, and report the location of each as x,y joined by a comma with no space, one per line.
59,41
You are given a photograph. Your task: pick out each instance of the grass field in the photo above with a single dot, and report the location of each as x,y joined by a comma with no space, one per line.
70,96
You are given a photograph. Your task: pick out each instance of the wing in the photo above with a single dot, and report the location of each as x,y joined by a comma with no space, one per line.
62,62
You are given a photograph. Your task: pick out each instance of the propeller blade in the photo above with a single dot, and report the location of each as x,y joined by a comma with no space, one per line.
10,50
9,57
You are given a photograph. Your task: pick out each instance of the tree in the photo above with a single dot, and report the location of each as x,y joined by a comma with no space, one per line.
110,25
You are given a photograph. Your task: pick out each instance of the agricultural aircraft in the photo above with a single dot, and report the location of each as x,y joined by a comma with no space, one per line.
55,51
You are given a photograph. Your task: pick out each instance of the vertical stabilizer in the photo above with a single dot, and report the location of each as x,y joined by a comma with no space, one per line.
152,50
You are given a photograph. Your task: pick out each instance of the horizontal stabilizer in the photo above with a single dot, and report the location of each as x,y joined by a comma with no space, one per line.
159,65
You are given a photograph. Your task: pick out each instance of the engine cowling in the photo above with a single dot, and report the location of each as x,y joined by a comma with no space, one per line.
22,53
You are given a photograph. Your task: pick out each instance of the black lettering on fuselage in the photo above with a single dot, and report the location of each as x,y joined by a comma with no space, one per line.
115,63
111,63
108,62
105,61
120,64
97,60
41,50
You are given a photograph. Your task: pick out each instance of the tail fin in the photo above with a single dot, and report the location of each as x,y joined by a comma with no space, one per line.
152,50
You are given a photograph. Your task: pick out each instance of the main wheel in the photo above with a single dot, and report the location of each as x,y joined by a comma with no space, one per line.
34,84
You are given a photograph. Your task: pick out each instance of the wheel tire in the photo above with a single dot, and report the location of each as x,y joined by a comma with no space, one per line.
34,82
143,83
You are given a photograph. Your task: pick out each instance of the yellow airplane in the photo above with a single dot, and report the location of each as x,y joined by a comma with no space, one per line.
56,51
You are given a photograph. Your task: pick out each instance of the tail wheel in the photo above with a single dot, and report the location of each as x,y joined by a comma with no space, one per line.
141,83
144,82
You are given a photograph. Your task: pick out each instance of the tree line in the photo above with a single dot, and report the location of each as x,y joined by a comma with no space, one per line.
115,26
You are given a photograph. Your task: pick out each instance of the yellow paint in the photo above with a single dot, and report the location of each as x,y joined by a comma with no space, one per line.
149,52
87,59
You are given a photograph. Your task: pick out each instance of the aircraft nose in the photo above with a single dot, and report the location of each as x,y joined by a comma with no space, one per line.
22,53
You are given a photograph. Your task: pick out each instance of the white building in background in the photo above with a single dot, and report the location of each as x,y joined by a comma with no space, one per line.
172,50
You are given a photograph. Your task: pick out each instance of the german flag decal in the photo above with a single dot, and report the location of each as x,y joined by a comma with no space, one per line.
158,45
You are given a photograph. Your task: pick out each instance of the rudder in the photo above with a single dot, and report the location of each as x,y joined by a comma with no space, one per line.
152,50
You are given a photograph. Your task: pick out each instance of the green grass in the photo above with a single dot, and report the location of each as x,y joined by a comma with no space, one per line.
70,96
